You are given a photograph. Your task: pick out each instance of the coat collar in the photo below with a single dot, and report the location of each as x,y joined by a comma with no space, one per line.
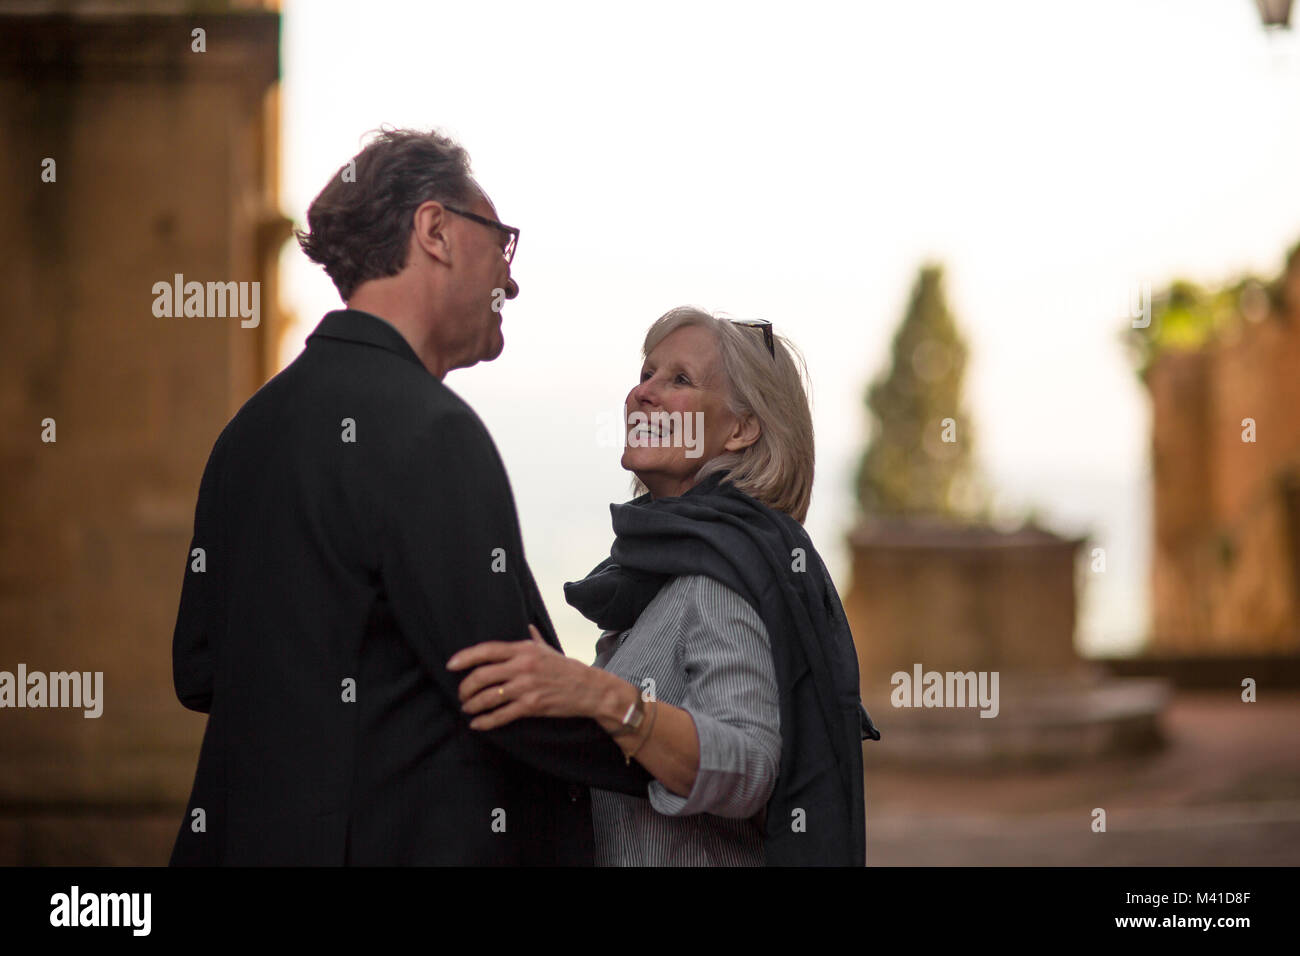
353,325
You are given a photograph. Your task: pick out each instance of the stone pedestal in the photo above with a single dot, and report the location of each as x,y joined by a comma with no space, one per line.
996,611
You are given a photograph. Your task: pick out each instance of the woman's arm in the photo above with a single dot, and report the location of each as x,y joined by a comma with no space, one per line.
666,743
729,724
731,694
513,679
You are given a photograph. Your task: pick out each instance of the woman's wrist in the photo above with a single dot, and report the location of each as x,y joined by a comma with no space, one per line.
615,697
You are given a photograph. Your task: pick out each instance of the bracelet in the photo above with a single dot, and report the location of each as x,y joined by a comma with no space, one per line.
637,709
654,712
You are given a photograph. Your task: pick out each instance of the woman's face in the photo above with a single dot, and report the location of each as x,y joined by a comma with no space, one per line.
677,416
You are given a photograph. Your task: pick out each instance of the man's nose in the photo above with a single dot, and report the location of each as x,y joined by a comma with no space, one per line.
512,288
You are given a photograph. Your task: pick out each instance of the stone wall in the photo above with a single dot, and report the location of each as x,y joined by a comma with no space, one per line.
1226,561
165,163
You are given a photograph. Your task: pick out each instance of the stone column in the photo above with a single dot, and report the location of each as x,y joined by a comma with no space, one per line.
162,164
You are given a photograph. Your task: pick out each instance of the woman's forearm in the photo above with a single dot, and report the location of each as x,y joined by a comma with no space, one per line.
667,744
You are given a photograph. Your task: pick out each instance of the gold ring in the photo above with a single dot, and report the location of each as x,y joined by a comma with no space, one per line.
501,692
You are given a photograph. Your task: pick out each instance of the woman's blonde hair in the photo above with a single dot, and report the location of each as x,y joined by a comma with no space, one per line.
777,469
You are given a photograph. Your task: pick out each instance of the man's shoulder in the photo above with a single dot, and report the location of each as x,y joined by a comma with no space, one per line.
362,366
397,394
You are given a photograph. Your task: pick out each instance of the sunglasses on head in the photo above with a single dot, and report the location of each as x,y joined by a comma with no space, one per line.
763,324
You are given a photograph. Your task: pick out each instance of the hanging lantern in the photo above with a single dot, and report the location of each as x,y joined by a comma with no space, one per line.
1275,13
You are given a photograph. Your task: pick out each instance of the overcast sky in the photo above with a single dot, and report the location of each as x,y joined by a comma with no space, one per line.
800,166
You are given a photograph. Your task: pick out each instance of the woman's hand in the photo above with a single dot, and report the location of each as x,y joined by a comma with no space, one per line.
512,679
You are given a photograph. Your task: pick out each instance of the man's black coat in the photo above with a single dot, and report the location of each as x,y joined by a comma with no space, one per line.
357,528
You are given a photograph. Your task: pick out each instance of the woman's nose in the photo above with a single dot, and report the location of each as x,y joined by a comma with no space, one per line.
645,393
512,287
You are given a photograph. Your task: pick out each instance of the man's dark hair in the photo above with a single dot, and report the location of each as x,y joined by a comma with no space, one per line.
360,224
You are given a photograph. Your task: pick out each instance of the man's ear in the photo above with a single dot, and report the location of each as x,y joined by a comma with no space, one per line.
744,434
429,231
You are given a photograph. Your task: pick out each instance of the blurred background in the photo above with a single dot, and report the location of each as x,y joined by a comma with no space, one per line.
1041,260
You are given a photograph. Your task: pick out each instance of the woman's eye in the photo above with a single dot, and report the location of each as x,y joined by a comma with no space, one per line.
644,376
683,379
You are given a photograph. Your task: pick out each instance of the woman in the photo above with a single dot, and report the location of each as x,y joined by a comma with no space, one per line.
726,667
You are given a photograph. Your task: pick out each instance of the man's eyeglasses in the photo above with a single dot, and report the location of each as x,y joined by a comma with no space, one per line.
763,324
509,249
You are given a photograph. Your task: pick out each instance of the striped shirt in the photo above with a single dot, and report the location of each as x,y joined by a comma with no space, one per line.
700,646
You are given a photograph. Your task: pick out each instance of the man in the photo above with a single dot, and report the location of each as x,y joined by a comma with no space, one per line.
354,528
